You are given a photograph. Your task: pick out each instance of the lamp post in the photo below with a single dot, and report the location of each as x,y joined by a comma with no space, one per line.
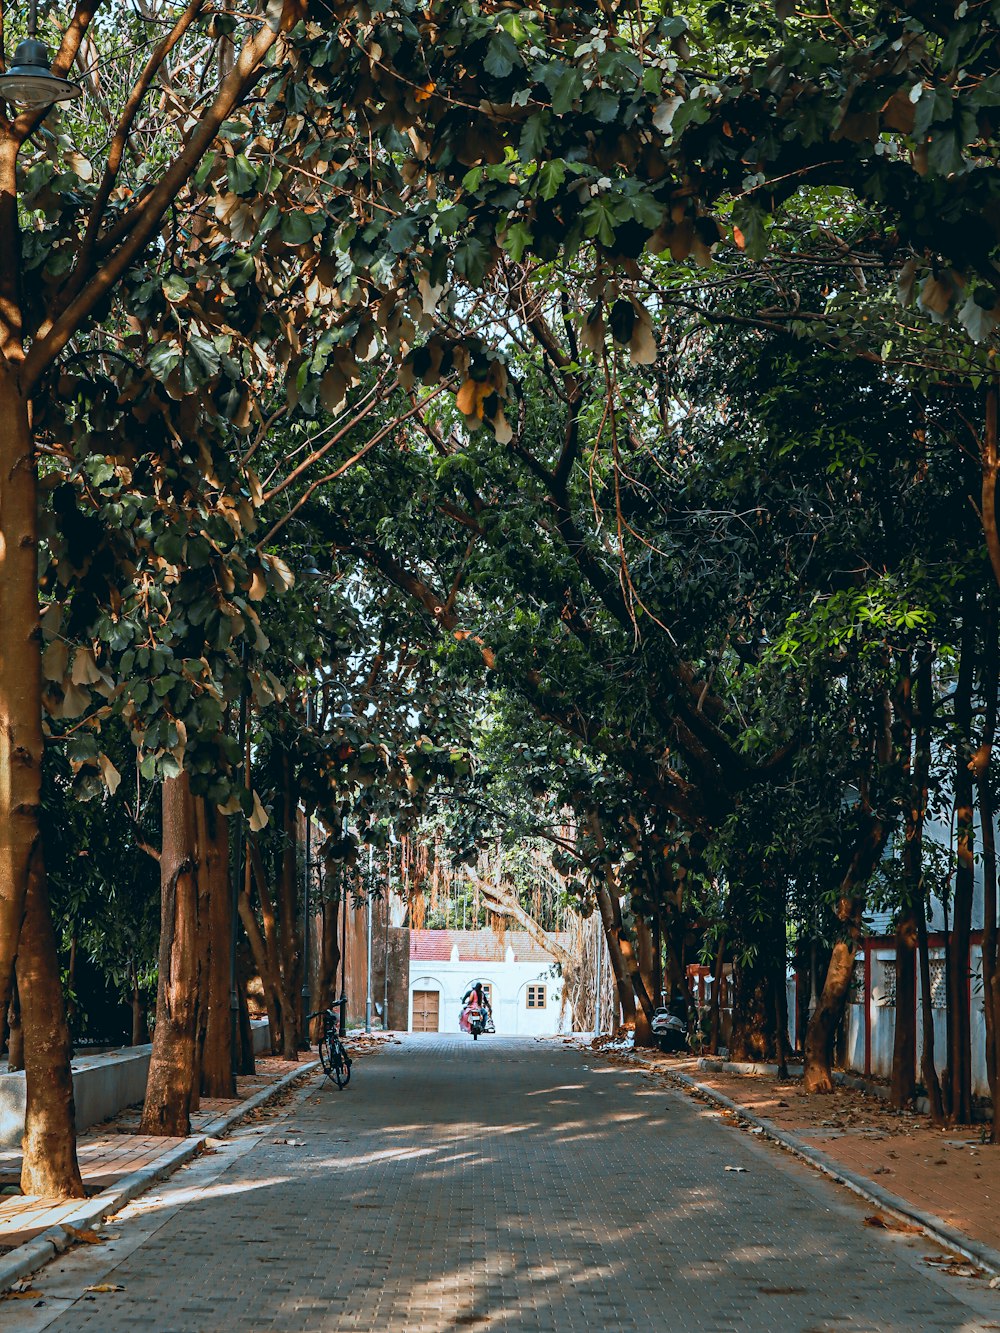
28,81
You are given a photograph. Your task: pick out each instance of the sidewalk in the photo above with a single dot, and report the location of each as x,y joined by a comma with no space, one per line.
946,1181
117,1163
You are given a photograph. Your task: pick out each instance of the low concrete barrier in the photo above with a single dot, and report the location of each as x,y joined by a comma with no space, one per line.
103,1085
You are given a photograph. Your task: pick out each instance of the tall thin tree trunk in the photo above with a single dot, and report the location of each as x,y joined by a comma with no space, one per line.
21,742
269,983
174,1074
644,963
612,933
140,1032
959,1018
987,821
928,1070
715,1009
15,1033
287,1030
902,1087
217,1079
923,712
288,904
329,961
49,1165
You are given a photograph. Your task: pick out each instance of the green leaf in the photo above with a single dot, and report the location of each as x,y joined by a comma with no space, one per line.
296,228
175,288
402,235
534,137
241,174
516,240
550,178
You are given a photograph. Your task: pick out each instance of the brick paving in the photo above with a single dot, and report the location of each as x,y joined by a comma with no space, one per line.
515,1185
947,1172
111,1152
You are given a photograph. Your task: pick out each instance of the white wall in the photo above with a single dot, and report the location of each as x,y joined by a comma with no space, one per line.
509,980
882,1017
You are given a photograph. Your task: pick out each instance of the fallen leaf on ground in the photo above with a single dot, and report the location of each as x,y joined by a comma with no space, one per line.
105,1286
28,1294
735,1168
85,1237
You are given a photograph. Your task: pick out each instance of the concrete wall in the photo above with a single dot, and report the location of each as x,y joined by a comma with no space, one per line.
870,1052
103,1085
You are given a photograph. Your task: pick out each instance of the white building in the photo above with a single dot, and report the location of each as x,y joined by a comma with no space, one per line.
521,980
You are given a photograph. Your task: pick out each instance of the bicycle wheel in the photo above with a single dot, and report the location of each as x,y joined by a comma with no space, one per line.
341,1066
327,1058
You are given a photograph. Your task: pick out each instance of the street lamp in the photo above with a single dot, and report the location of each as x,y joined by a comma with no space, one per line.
28,81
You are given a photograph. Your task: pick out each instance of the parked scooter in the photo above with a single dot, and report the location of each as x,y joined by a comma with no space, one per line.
669,1030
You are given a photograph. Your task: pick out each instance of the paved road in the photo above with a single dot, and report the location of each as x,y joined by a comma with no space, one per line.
503,1185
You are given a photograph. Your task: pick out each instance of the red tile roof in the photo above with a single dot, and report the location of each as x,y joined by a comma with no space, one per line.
479,946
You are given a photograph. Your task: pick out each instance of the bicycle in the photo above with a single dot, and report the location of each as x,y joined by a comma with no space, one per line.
332,1051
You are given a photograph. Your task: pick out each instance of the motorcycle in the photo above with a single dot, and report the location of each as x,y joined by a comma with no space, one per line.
669,1031
477,1023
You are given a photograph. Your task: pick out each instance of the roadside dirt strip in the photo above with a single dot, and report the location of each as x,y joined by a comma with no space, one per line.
841,1126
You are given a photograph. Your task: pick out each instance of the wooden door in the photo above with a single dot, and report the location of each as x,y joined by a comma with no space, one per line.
425,1010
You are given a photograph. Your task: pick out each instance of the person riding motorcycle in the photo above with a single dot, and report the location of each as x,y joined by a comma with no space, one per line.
475,998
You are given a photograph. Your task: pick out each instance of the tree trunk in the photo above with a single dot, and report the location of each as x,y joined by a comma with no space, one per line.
644,971
246,1065
49,1166
756,925
928,1070
140,1032
959,1033
817,1073
15,1033
288,903
21,855
903,1086
987,821
269,983
612,933
217,1079
715,1008
276,965
173,1073
329,962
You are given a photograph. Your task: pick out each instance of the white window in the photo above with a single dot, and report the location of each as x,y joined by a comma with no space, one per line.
535,997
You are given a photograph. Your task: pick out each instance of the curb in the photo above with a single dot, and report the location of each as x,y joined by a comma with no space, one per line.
983,1256
41,1249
